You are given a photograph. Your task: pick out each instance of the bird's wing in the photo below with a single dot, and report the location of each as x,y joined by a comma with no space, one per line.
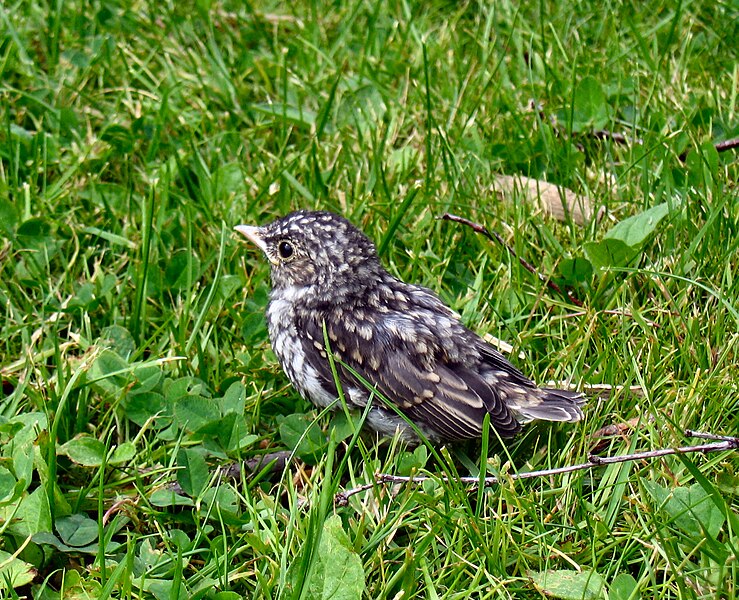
425,376
524,398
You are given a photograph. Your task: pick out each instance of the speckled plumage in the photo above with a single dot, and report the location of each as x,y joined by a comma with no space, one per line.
399,337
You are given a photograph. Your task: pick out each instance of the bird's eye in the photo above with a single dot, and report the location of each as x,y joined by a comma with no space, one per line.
285,249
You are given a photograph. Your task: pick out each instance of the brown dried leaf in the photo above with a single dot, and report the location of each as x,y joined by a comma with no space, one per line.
601,438
552,199
615,429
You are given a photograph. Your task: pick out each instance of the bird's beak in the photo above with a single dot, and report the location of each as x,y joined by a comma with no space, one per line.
254,235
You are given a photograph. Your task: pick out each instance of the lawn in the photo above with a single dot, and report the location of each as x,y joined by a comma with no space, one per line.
136,369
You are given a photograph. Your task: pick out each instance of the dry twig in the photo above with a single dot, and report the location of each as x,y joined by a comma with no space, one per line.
727,145
618,138
496,237
720,147
719,443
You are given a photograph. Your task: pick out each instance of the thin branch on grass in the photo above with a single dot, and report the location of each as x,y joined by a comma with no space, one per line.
496,237
614,136
720,147
613,312
620,138
720,444
710,436
261,465
727,145
598,134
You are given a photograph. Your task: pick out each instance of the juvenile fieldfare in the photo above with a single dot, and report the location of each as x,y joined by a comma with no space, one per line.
399,337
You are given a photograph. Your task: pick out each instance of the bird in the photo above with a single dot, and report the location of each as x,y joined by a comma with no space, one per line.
395,345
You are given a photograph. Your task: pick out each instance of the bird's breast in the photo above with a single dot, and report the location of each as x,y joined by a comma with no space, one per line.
287,344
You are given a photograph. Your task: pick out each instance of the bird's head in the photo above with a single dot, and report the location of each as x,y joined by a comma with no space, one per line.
315,249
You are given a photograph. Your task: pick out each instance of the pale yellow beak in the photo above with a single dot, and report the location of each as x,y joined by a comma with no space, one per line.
253,234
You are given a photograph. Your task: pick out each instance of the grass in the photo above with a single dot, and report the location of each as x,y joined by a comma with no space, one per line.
133,351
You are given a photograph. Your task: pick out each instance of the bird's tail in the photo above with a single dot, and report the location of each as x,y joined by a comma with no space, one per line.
549,404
